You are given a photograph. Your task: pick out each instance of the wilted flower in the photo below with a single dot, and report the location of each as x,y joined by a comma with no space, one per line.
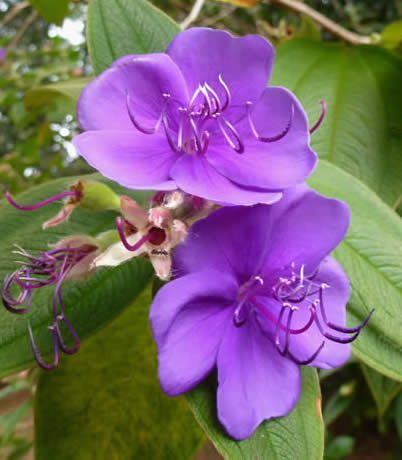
199,118
257,296
87,194
152,234
70,258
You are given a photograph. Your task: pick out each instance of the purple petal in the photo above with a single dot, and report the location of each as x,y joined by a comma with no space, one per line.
303,345
188,318
245,63
270,165
132,159
103,103
194,175
232,240
255,382
306,227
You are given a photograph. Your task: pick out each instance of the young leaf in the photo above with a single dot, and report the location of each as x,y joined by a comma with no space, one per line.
371,255
120,27
51,10
383,389
301,431
106,402
362,129
89,304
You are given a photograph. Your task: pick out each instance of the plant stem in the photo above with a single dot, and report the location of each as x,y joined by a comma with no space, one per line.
193,14
323,21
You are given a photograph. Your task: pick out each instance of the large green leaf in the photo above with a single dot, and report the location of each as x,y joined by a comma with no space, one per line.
89,304
301,432
106,403
120,27
362,130
383,389
46,95
371,256
51,10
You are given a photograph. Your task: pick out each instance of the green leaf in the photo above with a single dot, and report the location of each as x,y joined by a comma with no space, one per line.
391,36
362,130
339,448
106,402
335,407
69,90
383,389
301,431
89,304
120,27
51,10
371,255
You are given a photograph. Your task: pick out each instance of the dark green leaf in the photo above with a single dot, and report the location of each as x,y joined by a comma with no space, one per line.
334,407
362,130
89,304
339,448
120,27
301,431
371,256
51,10
106,402
46,95
383,389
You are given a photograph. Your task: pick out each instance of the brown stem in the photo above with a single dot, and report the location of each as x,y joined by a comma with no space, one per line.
331,26
28,21
13,12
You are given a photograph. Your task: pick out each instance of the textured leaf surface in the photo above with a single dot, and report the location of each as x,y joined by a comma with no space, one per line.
383,389
51,10
89,304
362,130
105,402
371,256
120,27
300,432
43,95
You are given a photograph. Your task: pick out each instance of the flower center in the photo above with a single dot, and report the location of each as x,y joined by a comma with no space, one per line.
245,305
205,115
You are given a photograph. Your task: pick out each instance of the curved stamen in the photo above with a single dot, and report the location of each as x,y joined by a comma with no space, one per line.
126,244
272,138
196,133
175,147
323,111
10,302
335,327
205,137
287,330
36,353
204,92
238,146
215,99
227,92
69,351
143,129
309,360
42,203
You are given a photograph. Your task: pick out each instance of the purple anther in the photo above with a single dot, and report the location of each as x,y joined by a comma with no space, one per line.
306,326
205,142
42,203
10,302
173,145
227,92
306,361
126,244
69,351
275,138
204,92
140,128
335,327
215,99
36,353
323,111
225,125
197,139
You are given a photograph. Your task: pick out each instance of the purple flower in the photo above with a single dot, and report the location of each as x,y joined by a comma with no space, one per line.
199,118
3,52
257,296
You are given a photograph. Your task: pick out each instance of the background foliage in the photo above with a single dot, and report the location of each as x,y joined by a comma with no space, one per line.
107,399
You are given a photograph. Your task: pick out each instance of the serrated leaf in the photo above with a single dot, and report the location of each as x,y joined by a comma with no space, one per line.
301,431
362,130
51,10
120,27
89,304
106,402
371,255
383,389
47,94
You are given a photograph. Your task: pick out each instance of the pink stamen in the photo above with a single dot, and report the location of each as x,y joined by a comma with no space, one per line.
324,110
43,203
123,238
